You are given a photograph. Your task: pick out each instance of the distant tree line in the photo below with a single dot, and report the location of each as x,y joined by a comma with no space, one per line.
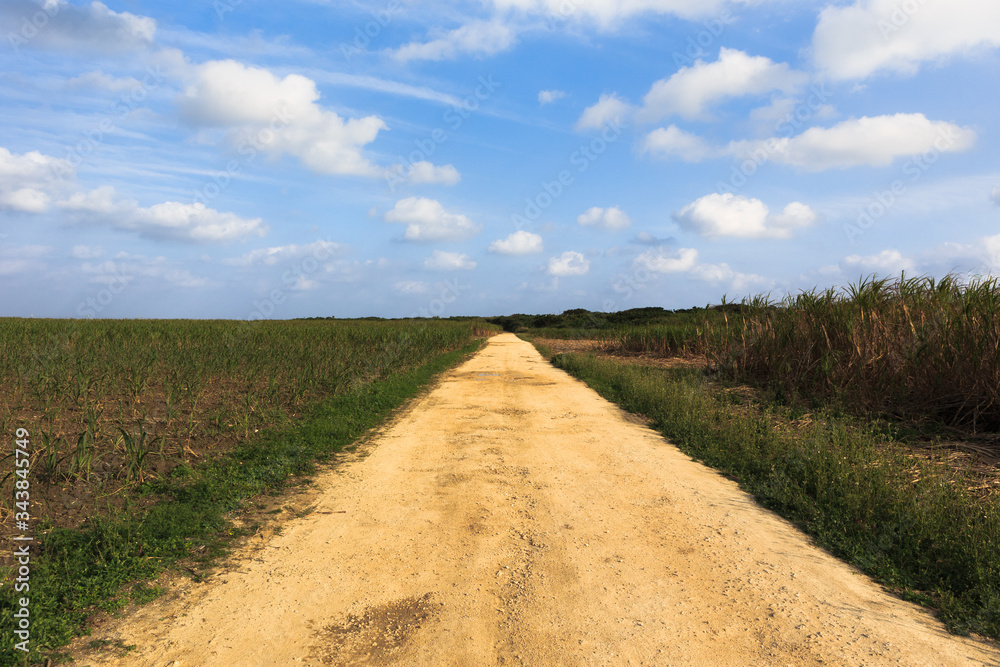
582,319
576,318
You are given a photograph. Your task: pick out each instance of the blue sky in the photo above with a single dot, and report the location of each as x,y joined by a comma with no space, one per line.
245,159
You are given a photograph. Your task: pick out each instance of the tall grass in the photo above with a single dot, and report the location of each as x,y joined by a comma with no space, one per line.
913,348
681,333
916,348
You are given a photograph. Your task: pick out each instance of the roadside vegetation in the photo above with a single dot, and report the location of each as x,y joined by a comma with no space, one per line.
147,435
868,416
918,349
584,324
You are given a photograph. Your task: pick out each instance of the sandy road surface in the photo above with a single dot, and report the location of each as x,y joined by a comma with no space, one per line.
513,517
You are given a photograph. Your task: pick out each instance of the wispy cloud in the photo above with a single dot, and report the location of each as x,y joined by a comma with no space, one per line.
57,24
387,86
867,141
169,220
476,38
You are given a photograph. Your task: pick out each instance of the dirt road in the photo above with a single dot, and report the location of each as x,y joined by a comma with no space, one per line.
513,517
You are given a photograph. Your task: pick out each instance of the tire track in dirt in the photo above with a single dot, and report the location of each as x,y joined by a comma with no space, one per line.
513,517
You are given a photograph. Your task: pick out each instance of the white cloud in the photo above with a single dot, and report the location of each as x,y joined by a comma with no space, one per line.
723,273
713,273
611,219
29,181
720,215
424,172
477,38
795,216
609,109
169,220
226,93
995,195
685,260
93,27
662,260
886,262
86,252
569,263
320,251
96,202
873,141
692,90
550,96
855,41
674,142
278,115
427,220
982,256
449,261
609,12
518,243
26,200
193,222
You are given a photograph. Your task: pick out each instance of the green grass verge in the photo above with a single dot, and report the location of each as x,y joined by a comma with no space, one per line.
848,486
81,570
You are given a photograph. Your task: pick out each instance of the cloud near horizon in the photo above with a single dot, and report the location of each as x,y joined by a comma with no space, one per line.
570,263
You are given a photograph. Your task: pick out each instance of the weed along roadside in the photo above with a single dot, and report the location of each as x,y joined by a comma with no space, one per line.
141,519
